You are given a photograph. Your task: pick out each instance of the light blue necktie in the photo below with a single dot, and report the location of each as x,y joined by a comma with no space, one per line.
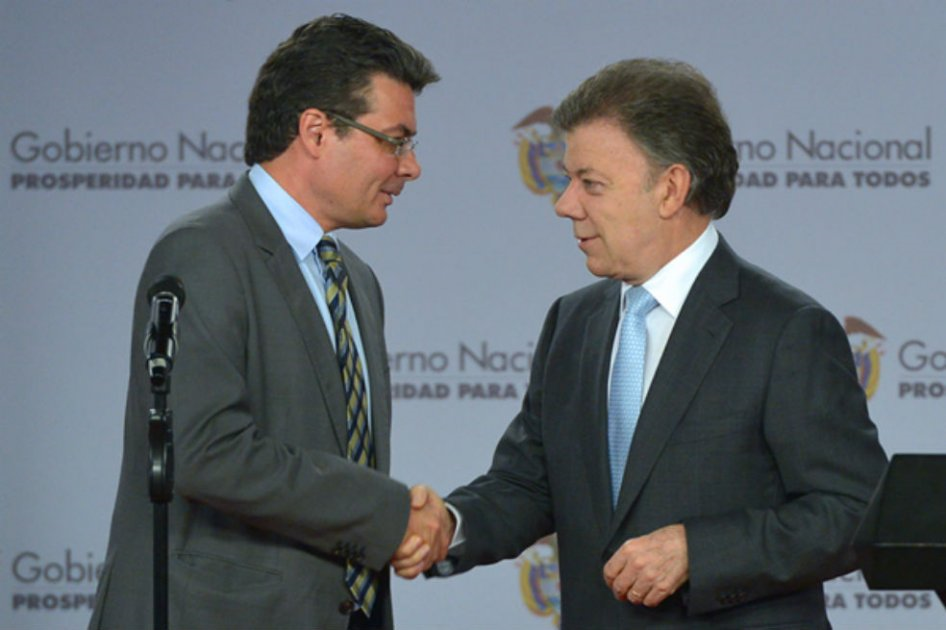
627,382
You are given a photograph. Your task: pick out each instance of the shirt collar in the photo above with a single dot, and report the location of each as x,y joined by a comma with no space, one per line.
672,283
301,230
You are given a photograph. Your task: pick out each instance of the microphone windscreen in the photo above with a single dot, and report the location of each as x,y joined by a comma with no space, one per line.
167,284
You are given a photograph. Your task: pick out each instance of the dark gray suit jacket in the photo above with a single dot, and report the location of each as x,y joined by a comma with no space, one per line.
266,507
754,434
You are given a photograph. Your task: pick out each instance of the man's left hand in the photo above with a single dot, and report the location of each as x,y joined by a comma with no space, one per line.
649,569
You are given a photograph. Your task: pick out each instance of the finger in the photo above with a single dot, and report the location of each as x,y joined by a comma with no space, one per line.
608,573
408,547
418,496
620,591
409,573
655,596
420,556
624,582
614,566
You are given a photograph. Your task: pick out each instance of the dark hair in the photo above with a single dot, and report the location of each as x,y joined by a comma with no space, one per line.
327,63
671,112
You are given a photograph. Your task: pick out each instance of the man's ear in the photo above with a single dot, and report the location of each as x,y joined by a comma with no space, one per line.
312,131
674,186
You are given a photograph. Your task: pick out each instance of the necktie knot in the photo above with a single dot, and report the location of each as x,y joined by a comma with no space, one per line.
332,267
327,251
638,302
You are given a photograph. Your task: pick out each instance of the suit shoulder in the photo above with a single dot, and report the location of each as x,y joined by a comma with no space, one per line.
217,231
211,241
208,222
588,296
765,289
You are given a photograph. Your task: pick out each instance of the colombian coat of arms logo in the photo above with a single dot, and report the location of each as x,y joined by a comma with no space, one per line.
540,149
867,345
539,581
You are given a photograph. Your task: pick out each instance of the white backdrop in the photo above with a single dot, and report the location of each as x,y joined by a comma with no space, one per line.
850,90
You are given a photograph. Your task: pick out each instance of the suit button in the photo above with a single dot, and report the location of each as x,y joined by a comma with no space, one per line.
346,607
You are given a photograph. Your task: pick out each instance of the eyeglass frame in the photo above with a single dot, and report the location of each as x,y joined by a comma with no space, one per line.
402,146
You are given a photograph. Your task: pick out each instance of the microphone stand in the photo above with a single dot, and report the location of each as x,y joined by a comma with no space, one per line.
161,488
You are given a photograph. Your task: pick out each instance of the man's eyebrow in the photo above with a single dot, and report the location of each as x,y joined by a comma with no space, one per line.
579,173
406,131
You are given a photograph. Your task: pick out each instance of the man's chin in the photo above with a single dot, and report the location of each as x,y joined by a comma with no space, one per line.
596,268
375,219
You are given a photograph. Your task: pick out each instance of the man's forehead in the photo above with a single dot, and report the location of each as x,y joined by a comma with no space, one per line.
391,104
595,130
599,141
583,148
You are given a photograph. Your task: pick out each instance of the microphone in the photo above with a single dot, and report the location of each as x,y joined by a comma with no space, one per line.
166,297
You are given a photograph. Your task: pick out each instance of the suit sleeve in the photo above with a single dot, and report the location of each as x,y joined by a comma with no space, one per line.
816,424
509,508
225,459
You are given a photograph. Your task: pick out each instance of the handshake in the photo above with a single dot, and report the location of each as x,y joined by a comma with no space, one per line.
429,533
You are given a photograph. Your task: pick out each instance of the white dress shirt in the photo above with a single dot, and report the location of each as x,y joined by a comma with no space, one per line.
670,287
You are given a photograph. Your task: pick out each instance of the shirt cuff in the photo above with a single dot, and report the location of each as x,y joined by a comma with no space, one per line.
448,566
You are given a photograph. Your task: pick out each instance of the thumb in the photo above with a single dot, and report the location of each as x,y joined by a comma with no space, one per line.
418,496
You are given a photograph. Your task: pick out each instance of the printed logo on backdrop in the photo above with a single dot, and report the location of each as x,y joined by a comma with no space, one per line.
851,593
922,362
867,345
470,371
57,582
856,159
85,160
540,149
539,579
801,159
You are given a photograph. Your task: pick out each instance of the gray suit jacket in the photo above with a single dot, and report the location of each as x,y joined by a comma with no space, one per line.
266,508
754,434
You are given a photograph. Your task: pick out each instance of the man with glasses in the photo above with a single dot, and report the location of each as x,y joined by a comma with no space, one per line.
283,514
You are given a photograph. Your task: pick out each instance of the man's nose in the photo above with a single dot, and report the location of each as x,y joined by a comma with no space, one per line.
408,166
567,206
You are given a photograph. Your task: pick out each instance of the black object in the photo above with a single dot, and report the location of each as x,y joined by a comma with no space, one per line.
166,297
901,542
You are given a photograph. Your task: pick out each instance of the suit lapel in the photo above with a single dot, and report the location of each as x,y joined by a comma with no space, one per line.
281,262
595,357
698,334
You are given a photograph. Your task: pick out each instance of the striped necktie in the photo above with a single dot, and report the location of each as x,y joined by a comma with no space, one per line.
362,581
627,383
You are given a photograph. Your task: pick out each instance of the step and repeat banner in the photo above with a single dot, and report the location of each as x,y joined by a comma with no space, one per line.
119,116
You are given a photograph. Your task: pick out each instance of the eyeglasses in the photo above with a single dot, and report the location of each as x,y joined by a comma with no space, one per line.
401,146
